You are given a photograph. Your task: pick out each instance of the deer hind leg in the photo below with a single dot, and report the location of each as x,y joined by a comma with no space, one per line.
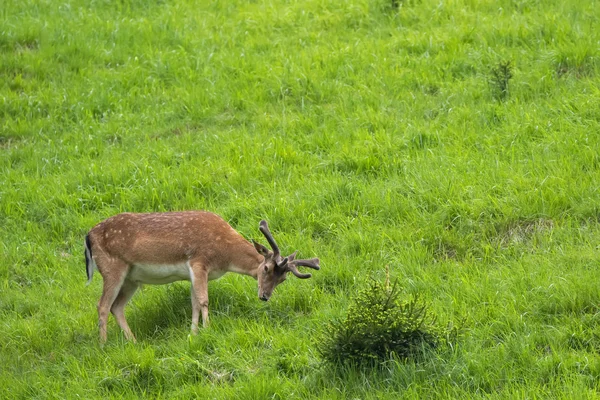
199,278
118,307
114,272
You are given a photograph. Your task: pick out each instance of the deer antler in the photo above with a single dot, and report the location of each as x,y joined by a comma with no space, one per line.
294,264
264,228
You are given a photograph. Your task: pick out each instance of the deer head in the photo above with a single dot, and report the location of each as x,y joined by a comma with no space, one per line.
274,269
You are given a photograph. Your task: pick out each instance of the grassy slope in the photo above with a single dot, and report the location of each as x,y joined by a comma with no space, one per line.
365,136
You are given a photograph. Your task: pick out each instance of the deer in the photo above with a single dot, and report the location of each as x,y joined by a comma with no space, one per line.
132,249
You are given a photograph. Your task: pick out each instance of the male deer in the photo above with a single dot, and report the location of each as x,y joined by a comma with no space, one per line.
134,249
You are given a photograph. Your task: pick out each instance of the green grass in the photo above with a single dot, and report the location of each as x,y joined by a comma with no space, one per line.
365,135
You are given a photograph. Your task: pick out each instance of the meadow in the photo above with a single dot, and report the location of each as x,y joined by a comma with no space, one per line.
455,141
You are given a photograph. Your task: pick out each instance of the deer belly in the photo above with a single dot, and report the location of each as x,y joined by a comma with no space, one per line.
158,274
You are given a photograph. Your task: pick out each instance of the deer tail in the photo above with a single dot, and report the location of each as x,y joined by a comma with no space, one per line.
90,265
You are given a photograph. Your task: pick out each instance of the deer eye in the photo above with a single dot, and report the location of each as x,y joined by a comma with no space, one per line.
266,268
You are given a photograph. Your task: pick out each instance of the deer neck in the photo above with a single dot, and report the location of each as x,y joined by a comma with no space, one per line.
246,261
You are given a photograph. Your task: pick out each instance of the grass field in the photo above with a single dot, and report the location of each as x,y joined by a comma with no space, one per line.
367,135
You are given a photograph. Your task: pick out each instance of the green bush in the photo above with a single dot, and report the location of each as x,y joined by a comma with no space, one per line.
379,325
501,74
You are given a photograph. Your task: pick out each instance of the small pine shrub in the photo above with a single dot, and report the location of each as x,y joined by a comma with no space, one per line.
500,76
379,325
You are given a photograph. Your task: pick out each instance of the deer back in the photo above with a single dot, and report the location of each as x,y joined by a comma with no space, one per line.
170,237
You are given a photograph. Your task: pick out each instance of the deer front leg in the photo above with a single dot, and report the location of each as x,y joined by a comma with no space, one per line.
199,296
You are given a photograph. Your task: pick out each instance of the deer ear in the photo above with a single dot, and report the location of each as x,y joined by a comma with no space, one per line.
262,250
